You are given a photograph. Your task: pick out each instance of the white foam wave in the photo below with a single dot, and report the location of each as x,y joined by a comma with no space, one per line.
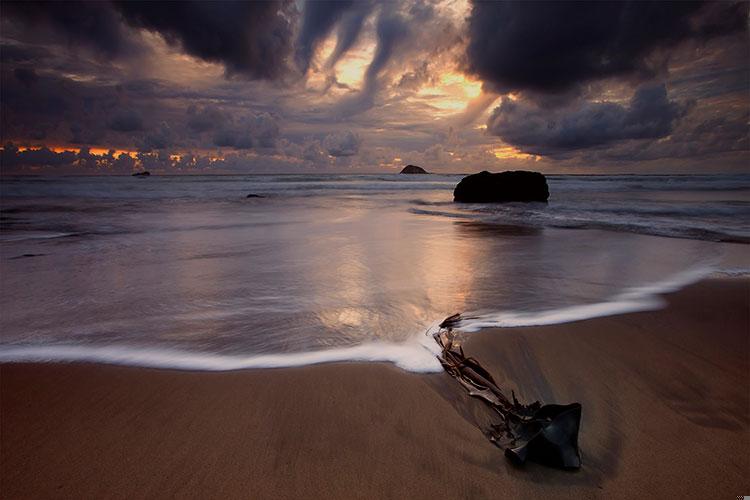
415,356
643,298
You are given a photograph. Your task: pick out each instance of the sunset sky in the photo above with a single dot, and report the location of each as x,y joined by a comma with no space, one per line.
298,87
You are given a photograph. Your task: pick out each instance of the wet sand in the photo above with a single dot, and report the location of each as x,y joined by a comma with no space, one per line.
666,413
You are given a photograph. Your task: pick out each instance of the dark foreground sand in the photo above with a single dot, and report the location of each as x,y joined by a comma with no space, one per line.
665,394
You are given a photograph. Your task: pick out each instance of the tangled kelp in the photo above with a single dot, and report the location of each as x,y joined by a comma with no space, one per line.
546,434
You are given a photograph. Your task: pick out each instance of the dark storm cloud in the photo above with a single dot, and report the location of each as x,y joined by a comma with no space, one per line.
64,110
31,106
649,115
318,19
126,120
160,138
94,25
255,131
136,115
27,76
716,135
391,29
550,47
205,118
23,94
701,134
100,74
392,32
16,53
249,38
349,29
81,134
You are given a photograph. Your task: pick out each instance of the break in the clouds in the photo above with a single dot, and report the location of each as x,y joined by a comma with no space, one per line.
372,86
319,19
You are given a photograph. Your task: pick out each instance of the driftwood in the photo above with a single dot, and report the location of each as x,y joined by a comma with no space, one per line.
546,434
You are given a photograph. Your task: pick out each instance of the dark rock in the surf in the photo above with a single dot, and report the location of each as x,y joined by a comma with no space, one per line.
145,173
413,169
253,195
517,185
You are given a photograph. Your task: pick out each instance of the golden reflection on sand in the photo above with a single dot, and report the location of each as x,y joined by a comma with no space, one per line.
398,276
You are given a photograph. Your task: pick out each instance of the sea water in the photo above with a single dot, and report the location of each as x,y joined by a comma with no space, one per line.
187,272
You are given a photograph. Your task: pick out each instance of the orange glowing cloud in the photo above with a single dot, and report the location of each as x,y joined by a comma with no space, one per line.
93,151
511,153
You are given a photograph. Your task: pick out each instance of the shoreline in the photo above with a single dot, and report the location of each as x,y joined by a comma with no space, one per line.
416,355
665,394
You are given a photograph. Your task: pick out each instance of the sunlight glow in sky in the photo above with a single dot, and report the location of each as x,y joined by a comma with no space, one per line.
452,92
448,85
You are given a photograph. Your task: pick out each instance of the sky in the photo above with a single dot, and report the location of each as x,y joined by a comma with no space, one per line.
369,87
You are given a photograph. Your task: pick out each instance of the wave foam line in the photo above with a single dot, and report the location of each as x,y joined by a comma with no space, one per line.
644,298
416,356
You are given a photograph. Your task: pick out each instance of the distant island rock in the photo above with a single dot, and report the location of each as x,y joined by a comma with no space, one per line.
253,195
145,173
413,169
486,187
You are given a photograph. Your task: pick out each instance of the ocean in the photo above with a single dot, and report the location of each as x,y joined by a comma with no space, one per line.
187,272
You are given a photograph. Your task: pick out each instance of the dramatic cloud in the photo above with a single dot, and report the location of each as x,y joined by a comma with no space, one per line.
126,121
318,20
553,46
701,134
160,138
80,134
344,144
649,115
255,131
206,118
295,86
350,27
11,156
27,76
91,25
313,153
249,38
13,53
392,32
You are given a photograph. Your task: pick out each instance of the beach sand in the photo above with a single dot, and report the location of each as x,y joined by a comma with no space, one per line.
666,413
